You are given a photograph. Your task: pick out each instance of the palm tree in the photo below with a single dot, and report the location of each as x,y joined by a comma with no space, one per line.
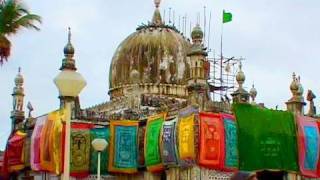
13,16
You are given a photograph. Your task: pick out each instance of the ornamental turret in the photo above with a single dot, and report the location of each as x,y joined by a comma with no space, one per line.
253,94
68,62
199,69
296,103
17,113
240,95
156,19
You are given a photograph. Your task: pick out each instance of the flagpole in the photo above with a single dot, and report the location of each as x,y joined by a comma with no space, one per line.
221,58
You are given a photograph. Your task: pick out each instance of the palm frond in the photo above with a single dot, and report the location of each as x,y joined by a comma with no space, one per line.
13,16
28,21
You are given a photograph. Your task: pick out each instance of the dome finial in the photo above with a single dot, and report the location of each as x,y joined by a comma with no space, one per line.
156,19
68,49
157,3
19,78
253,93
294,86
197,34
240,77
68,62
69,35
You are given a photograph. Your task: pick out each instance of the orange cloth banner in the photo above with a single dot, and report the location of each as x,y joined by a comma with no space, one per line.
212,146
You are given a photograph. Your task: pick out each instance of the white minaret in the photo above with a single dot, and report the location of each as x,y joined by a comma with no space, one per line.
17,113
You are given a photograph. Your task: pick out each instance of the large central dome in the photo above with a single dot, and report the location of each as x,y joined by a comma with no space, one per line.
155,54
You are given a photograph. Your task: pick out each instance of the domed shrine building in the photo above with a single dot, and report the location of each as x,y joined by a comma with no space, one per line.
157,123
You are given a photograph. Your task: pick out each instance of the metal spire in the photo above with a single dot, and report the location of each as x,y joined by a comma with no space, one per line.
69,35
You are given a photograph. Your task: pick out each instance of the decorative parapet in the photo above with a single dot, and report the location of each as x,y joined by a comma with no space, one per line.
118,108
150,88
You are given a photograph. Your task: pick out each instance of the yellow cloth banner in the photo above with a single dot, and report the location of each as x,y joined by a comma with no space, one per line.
186,137
51,142
57,138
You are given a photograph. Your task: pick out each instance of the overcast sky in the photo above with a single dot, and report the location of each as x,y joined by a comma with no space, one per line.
275,37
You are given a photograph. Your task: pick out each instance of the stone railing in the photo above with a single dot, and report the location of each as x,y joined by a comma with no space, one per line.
150,88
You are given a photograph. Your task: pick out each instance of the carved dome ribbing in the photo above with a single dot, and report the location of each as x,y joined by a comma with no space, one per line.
158,53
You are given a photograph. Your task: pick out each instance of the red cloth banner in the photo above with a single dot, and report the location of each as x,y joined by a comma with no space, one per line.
14,155
212,145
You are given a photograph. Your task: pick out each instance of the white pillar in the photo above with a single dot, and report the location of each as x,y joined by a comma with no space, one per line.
66,169
99,154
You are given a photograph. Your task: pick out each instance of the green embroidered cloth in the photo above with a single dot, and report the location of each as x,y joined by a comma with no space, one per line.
101,133
80,150
152,143
266,139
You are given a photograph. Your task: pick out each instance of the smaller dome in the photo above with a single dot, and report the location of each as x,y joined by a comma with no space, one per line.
19,78
294,86
68,49
197,32
253,92
240,76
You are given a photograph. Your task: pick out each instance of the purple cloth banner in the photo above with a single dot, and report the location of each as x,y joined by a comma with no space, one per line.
169,141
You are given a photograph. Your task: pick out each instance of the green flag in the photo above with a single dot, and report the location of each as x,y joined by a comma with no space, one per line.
227,17
266,139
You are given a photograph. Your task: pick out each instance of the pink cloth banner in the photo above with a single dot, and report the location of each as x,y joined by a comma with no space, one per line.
308,143
35,143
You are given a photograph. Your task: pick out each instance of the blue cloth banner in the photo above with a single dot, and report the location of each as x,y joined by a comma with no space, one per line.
231,158
169,141
123,154
126,146
311,146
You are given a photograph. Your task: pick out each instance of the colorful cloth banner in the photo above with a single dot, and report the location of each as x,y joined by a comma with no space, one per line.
14,155
123,146
267,139
186,134
169,143
80,144
153,142
57,138
308,143
46,146
231,143
51,143
101,133
35,143
212,145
